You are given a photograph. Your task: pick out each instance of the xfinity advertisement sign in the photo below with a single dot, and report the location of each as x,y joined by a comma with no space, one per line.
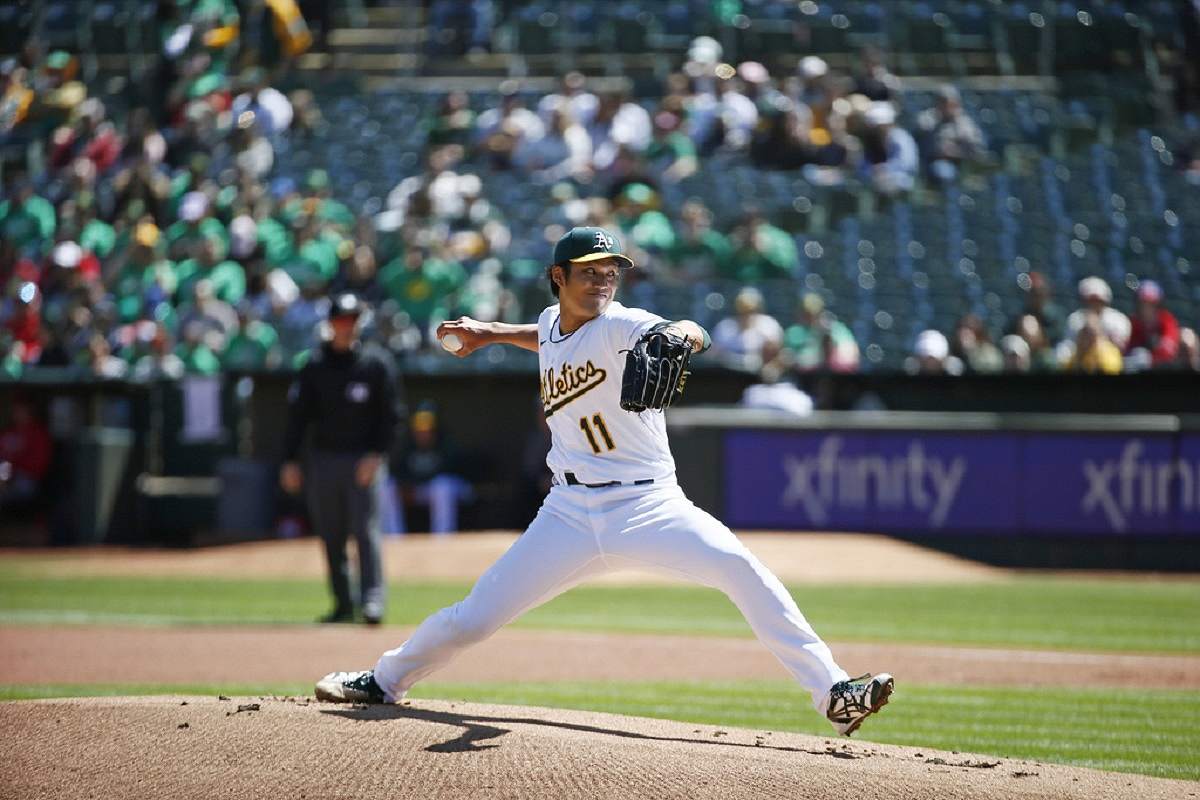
963,482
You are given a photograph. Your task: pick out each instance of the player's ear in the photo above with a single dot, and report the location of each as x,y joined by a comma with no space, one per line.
558,276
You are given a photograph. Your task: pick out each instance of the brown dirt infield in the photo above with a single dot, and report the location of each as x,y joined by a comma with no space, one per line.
300,654
795,558
281,747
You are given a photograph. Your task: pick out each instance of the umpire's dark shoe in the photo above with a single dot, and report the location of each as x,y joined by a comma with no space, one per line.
350,687
338,615
852,701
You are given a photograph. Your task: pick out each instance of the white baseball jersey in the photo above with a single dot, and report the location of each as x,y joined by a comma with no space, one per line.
591,435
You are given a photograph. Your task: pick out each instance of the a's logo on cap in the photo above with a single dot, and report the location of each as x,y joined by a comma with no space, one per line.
603,241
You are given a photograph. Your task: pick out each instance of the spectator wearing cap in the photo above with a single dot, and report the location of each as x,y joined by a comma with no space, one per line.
1154,331
1016,353
346,394
750,337
889,153
1096,297
949,137
144,274
429,471
194,226
1092,351
636,211
931,356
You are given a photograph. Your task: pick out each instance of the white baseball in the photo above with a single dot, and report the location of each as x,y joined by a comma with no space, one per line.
452,343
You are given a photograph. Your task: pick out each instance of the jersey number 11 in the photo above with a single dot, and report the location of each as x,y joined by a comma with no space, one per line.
601,428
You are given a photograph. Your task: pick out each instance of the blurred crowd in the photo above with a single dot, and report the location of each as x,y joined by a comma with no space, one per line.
146,242
1095,337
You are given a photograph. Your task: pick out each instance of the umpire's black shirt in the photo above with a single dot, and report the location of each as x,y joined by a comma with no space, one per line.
349,398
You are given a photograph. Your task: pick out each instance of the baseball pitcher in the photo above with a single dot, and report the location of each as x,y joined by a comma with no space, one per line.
607,373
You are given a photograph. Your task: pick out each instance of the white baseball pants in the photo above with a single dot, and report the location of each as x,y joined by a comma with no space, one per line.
581,532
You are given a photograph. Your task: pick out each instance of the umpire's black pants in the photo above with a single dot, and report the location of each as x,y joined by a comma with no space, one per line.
339,509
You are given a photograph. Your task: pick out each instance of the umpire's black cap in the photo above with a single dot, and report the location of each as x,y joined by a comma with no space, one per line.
346,304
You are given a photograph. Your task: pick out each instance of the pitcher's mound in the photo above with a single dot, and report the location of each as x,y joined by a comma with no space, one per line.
190,747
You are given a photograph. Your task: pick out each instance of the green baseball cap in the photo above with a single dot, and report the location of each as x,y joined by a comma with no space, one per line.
580,245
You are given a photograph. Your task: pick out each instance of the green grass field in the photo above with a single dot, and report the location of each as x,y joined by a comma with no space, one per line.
1151,732
1028,612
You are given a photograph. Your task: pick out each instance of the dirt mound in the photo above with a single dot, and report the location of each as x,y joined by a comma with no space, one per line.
283,747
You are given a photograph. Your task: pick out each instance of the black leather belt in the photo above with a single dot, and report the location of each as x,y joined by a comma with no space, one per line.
573,481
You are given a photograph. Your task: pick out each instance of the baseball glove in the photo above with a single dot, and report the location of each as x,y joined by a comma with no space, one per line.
655,371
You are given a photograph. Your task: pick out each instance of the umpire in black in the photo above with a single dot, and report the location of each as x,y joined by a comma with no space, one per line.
348,394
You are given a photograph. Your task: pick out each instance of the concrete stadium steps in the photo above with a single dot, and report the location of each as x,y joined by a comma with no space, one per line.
361,64
376,40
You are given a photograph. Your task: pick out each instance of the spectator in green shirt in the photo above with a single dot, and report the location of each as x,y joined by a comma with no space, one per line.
254,346
818,340
185,236
422,285
636,212
700,252
227,277
26,219
761,251
196,351
671,150
145,273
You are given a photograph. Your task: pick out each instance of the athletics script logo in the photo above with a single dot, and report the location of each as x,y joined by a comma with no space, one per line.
569,383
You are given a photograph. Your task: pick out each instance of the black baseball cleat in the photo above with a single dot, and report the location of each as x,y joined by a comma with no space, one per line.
350,687
337,616
852,701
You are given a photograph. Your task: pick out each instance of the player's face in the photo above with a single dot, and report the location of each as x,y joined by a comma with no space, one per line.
589,288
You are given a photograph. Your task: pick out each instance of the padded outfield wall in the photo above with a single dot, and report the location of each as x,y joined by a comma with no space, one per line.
1111,488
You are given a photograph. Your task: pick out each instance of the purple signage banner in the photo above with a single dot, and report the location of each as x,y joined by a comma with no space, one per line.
854,480
1099,484
912,481
1188,478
